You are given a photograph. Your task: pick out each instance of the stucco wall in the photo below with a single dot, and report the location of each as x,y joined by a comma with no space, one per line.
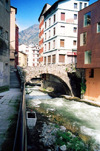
4,43
93,85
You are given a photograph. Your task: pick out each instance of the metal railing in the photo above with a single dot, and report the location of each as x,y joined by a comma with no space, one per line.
20,141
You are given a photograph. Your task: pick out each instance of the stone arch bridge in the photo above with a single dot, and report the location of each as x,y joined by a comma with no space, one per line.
59,71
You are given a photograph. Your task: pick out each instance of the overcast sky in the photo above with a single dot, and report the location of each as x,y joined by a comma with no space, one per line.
28,11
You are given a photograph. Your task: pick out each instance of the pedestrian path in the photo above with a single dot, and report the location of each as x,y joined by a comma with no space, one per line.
8,102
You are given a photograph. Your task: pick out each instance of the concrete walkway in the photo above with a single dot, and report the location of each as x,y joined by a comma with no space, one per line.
8,102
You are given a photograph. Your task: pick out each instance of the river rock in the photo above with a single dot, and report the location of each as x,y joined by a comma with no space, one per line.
63,148
62,128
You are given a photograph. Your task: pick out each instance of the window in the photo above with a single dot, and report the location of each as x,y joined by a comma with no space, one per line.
54,31
75,5
87,19
62,58
54,59
49,33
1,31
45,25
91,73
80,5
87,57
85,5
75,16
62,41
63,16
49,59
83,38
44,60
49,21
45,47
98,27
49,45
74,42
7,4
54,18
53,44
45,36
6,35
75,29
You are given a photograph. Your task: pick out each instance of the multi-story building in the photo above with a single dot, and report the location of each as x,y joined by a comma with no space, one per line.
22,57
41,32
4,42
16,45
13,35
32,54
88,56
35,50
60,31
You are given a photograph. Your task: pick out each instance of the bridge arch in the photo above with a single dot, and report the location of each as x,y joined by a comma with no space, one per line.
58,71
56,83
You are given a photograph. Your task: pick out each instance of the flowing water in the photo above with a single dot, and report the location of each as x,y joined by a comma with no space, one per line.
79,117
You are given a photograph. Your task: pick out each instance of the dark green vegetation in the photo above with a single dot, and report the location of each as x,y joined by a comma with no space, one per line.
4,88
72,143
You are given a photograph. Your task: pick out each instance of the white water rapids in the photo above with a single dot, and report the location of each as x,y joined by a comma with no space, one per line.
85,117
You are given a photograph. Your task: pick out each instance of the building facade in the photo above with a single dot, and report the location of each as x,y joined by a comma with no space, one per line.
60,32
88,56
32,53
4,42
16,45
12,35
22,57
41,32
35,50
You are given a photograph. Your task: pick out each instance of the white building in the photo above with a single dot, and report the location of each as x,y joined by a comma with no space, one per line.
60,32
32,54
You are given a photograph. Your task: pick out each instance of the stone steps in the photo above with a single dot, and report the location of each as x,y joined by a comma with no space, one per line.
14,81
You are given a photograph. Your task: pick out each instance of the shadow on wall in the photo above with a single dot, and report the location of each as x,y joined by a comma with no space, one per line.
58,85
75,84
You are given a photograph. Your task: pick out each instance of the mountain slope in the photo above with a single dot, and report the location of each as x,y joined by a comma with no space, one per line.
29,35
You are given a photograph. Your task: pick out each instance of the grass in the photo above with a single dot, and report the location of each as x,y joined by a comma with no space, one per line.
4,88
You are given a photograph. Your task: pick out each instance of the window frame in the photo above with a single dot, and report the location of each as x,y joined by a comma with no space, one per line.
87,57
62,43
86,19
75,16
82,41
75,5
98,27
62,17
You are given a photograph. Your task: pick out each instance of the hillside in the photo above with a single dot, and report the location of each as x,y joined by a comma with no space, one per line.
29,35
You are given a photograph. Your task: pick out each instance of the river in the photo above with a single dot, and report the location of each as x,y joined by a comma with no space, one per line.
78,117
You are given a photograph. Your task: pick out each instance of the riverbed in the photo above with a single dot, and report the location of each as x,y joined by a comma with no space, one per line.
78,117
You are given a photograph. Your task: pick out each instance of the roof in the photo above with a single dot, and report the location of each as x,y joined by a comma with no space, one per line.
14,8
56,4
42,11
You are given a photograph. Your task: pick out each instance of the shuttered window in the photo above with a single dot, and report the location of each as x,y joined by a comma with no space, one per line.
54,19
63,16
49,45
44,60
54,59
62,41
49,59
62,58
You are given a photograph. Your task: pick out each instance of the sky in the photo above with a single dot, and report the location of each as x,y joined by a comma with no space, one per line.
28,11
